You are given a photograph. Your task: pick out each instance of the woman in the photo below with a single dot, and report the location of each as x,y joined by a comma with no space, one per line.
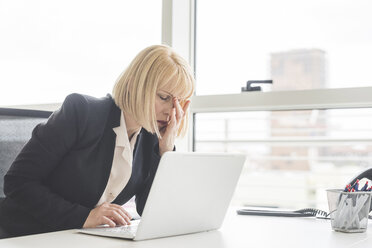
93,155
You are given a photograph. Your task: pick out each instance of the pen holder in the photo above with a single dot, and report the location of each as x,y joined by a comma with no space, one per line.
349,210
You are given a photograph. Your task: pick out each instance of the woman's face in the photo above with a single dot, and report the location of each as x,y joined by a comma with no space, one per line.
163,107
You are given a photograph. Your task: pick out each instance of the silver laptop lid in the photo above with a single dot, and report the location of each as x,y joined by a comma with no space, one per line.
190,193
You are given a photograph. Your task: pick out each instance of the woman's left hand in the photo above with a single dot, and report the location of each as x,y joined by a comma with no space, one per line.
169,133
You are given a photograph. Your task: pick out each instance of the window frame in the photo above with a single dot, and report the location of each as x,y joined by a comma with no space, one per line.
184,37
179,31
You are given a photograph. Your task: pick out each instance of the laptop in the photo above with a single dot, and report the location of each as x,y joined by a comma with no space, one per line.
190,193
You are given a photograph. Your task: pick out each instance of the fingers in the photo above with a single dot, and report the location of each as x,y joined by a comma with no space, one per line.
110,214
166,143
172,122
186,106
169,132
123,214
107,221
120,216
115,215
172,125
180,112
126,213
176,116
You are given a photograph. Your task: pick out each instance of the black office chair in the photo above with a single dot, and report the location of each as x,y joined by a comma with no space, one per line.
16,126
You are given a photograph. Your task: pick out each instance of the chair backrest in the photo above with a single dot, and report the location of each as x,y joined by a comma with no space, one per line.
16,127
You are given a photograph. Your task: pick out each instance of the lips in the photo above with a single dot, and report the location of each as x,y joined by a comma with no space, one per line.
162,123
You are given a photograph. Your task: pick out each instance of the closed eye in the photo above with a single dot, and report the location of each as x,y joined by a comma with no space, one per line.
164,98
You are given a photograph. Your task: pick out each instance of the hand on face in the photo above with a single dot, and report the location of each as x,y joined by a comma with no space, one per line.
169,132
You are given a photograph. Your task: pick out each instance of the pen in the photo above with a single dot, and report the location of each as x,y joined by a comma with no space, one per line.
356,185
365,187
347,188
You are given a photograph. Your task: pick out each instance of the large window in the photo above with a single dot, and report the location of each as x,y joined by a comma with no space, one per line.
292,156
52,48
307,132
299,44
300,136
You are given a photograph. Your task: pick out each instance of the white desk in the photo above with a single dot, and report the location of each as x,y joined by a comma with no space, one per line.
237,231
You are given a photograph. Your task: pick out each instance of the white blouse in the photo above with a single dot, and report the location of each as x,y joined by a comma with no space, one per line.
121,169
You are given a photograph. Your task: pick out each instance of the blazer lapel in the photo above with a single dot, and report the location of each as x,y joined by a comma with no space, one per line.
107,147
137,179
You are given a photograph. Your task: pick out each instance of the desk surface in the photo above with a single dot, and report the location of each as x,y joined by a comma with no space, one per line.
237,231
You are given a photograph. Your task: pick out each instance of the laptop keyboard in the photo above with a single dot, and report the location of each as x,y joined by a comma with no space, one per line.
119,229
128,229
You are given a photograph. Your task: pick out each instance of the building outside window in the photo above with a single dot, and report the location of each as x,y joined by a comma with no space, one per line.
294,153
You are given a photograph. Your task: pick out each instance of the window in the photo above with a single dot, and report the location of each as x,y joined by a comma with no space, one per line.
50,49
298,44
309,130
292,156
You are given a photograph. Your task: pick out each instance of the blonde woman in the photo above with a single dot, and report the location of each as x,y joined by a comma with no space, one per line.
94,154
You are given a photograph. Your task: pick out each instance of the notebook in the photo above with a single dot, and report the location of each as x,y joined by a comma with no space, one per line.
190,193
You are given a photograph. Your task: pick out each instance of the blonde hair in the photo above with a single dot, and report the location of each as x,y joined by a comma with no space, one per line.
154,68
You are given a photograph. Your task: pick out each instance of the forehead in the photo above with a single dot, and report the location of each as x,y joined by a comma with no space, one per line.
175,86
168,93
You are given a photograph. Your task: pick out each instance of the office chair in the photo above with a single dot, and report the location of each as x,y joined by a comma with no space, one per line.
16,127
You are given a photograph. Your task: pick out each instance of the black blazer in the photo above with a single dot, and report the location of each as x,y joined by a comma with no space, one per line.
62,171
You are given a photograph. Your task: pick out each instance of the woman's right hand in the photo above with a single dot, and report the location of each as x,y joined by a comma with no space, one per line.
107,213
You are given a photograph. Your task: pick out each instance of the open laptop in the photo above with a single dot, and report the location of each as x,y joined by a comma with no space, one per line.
190,193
